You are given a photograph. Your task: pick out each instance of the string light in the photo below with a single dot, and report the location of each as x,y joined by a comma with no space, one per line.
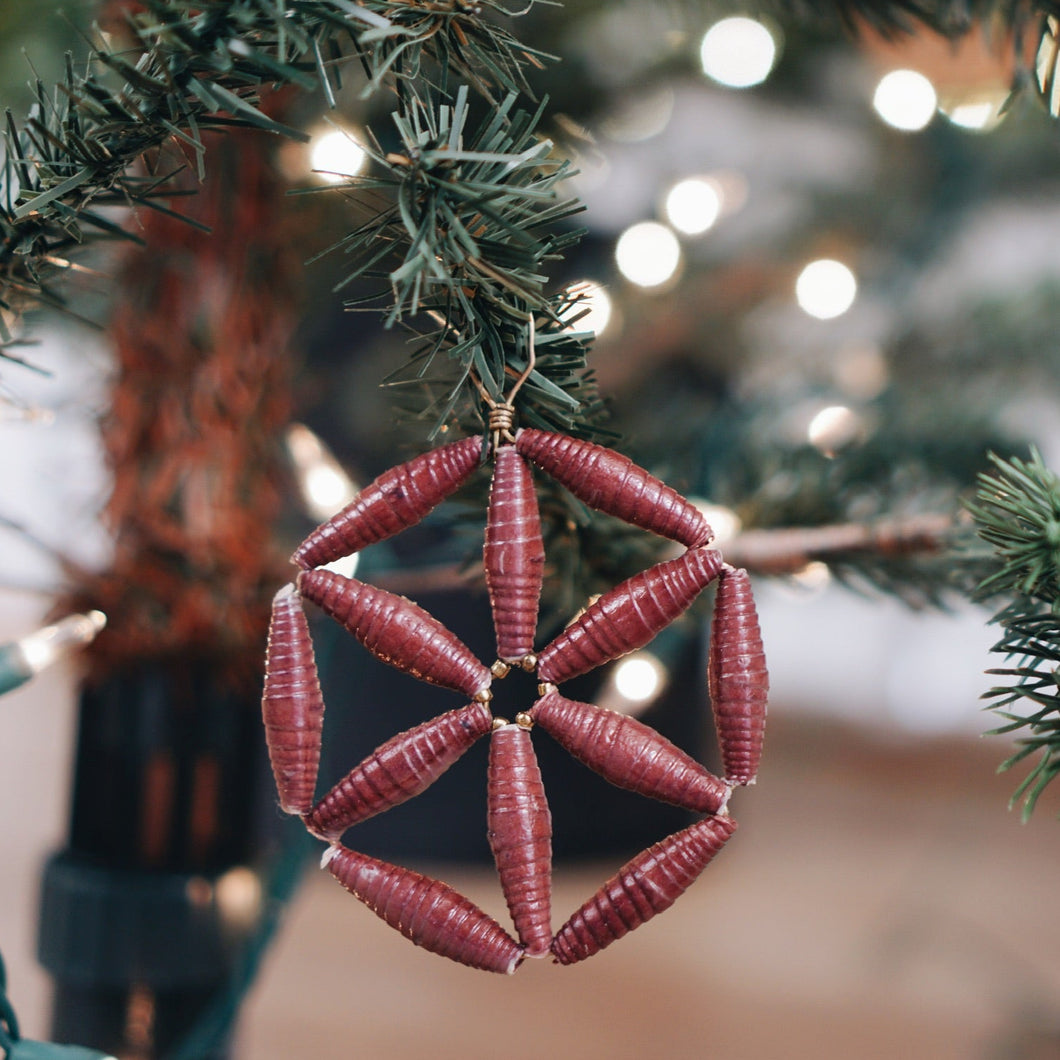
825,288
593,308
738,52
648,254
324,485
834,427
693,205
978,111
725,523
814,578
636,682
25,658
335,155
905,100
322,482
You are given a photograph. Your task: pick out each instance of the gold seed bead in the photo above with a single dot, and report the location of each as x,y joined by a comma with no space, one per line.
500,669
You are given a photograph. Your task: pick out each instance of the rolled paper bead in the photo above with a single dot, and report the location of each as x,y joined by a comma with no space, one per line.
737,677
397,631
426,911
611,483
398,770
648,884
292,707
520,835
628,616
399,498
630,754
514,556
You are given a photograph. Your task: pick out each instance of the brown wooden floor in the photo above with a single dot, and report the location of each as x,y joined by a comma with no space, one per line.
878,901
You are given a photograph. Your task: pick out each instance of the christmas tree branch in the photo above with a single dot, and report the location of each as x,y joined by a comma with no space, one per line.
1017,511
195,66
789,550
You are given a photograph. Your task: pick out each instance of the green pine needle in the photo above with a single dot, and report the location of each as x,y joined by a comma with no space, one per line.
1017,511
200,66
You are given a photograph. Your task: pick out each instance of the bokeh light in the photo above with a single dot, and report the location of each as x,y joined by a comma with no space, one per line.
978,111
648,254
825,289
693,205
725,523
738,52
593,309
833,428
905,100
639,677
335,155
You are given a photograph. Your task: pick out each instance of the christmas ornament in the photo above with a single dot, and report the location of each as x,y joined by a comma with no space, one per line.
623,750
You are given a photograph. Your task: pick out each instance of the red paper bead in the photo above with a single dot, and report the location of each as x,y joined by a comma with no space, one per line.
648,884
630,754
612,483
426,911
520,836
628,616
397,499
737,677
397,631
398,770
514,556
292,707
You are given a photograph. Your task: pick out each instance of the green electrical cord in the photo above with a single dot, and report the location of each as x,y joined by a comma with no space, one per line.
15,1047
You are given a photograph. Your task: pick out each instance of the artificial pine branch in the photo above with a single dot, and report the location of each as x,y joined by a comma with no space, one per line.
1017,511
952,18
197,65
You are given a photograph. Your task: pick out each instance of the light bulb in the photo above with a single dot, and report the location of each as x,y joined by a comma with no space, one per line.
25,658
648,254
693,205
324,485
905,100
636,682
738,52
335,155
593,307
825,288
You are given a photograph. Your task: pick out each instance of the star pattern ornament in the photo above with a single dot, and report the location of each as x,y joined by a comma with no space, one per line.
623,750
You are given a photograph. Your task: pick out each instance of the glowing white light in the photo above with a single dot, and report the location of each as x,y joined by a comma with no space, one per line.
648,254
49,644
693,205
324,485
327,487
725,523
825,288
979,113
814,577
639,677
335,155
593,308
833,427
905,100
738,52
239,896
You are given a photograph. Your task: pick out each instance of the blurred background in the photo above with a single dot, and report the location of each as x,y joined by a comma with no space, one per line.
823,277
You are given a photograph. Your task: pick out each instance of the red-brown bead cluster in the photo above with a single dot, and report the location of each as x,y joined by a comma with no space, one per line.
624,751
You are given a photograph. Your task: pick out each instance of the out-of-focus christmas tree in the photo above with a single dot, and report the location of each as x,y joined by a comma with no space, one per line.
818,259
